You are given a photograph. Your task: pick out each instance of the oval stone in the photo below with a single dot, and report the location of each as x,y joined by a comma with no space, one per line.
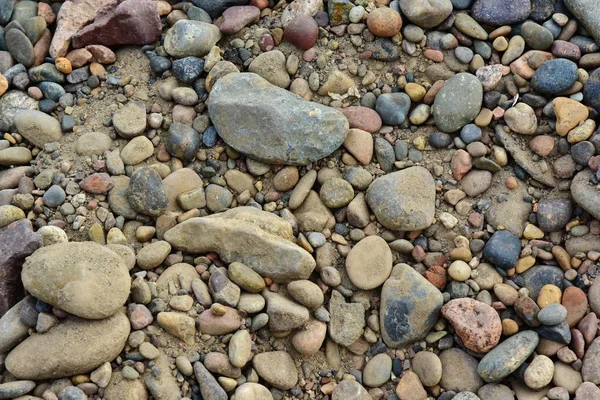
507,356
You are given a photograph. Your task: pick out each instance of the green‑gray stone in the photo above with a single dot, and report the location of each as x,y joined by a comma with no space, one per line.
586,11
458,102
509,355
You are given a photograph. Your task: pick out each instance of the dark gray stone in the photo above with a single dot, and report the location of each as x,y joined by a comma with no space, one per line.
539,275
502,249
553,214
183,142
501,12
509,355
146,192
555,76
393,108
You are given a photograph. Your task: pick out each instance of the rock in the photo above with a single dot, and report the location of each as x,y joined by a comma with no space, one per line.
503,249
505,358
17,241
553,214
93,143
308,341
585,13
181,181
410,206
555,76
121,388
237,17
271,66
497,12
477,324
137,150
567,377
302,32
298,8
590,369
539,373
209,387
362,118
426,13
277,368
458,102
538,276
369,263
284,314
409,387
14,329
339,12
347,320
37,127
75,346
586,194
212,324
130,22
245,277
191,38
591,89
183,142
159,380
495,391
552,314
315,132
240,348
377,371
177,324
146,192
521,119
153,255
215,8
11,390
428,367
536,36
384,22
71,276
306,293
350,390
252,391
20,47
130,121
410,306
459,371
9,178
263,250
11,102
393,108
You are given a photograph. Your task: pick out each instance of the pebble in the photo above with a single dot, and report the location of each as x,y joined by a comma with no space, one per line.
507,356
369,263
555,76
476,323
458,102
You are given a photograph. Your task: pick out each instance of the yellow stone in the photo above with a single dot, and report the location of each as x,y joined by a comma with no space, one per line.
569,113
415,91
461,253
420,142
524,264
96,233
78,379
509,327
115,236
63,65
500,43
549,294
533,232
582,132
484,118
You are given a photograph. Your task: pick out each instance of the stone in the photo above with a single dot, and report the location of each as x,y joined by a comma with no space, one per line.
271,66
350,390
315,131
146,192
216,8
591,90
585,194
509,355
590,370
459,371
369,263
14,329
191,38
476,323
302,32
403,200
384,22
15,389
539,373
585,13
426,13
309,339
137,150
209,387
130,121
75,346
428,367
497,12
306,293
11,102
362,118
183,142
159,381
521,119
93,143
377,371
298,8
277,368
458,102
20,47
540,275
263,249
393,108
502,249
71,276
409,387
553,214
567,377
552,314
252,391
37,127
240,348
177,324
495,391
410,306
347,320
134,22
555,76
15,156
178,182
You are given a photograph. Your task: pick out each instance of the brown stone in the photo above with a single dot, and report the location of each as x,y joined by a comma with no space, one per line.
569,114
588,326
460,164
42,47
98,183
576,303
384,22
362,118
79,57
302,32
237,17
360,144
101,54
45,11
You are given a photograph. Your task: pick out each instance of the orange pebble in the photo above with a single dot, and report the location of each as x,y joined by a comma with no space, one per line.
63,65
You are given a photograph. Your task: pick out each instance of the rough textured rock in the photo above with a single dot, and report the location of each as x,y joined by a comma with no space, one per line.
586,12
84,279
403,200
191,38
507,356
37,127
347,320
209,387
458,102
243,241
75,346
586,194
410,306
271,124
130,22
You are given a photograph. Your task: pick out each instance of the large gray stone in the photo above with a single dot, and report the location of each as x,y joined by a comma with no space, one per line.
505,358
586,11
271,124
11,102
410,306
585,193
191,38
238,239
403,200
458,102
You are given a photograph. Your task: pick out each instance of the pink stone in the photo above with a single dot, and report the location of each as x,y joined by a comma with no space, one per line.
588,327
360,144
102,54
460,164
362,118
266,42
237,17
476,323
576,303
130,22
45,11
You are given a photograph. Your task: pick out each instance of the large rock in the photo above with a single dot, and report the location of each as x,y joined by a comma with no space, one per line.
10,103
458,102
81,278
586,194
271,124
410,306
75,346
17,241
72,17
586,11
37,127
403,200
130,22
248,242
191,38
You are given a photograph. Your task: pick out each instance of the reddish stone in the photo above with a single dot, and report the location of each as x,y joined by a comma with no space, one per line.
17,241
434,55
42,47
362,118
266,42
384,22
45,11
99,183
528,310
101,54
9,178
237,17
460,164
418,253
79,57
576,303
302,32
130,22
577,343
588,327
476,323
437,276
563,49
139,316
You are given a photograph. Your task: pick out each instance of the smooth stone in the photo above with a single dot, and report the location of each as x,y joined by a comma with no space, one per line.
146,192
426,13
309,339
183,142
14,330
277,368
428,367
497,13
37,127
252,391
552,314
93,143
502,249
538,276
590,369
459,371
458,102
20,47
137,150
586,194
555,76
75,346
130,121
553,214
70,276
191,38
377,371
314,133
393,108
585,12
410,306
350,390
369,263
509,355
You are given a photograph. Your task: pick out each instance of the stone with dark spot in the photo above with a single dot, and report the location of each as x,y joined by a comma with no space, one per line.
538,276
17,241
410,306
146,192
183,142
509,355
383,49
502,249
541,10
